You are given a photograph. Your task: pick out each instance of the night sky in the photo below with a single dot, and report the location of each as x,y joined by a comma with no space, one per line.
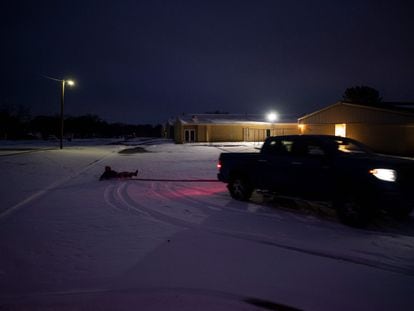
145,61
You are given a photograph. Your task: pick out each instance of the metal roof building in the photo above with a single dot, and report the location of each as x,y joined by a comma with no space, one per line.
229,127
386,128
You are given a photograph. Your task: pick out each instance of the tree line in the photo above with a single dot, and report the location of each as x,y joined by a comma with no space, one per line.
16,123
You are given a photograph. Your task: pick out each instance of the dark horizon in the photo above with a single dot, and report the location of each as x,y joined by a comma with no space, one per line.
142,62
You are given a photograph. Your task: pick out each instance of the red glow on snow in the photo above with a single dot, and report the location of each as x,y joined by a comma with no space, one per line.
207,191
192,191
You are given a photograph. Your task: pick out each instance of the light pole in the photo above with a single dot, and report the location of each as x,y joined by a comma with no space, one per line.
272,117
62,102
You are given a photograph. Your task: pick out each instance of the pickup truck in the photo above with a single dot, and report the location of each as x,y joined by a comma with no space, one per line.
342,171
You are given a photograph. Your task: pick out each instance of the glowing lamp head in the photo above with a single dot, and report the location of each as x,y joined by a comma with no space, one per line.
70,82
272,116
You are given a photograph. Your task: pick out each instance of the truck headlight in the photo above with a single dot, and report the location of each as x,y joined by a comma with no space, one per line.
384,174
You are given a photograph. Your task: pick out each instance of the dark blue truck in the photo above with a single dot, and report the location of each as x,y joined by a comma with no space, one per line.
340,170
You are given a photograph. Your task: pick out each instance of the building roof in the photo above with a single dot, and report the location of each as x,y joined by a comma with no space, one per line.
400,106
394,107
224,118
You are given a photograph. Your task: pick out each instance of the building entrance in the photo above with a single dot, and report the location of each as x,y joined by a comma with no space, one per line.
189,135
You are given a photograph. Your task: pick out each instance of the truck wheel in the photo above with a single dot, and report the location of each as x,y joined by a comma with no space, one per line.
353,211
240,189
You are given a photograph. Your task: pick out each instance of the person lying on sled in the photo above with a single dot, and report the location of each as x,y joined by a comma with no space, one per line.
109,174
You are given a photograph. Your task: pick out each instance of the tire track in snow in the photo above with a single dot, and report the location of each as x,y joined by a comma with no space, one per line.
169,192
120,194
112,197
147,198
109,198
174,208
116,197
257,238
258,209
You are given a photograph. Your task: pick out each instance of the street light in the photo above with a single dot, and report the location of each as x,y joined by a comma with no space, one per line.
62,102
272,116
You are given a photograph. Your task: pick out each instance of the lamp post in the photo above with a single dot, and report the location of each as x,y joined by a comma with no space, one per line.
272,117
62,102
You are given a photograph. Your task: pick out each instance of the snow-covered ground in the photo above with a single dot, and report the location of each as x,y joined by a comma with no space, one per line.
174,239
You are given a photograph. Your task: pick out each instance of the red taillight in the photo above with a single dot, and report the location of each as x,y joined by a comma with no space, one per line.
219,164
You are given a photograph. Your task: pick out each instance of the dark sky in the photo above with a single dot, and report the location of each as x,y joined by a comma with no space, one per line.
145,61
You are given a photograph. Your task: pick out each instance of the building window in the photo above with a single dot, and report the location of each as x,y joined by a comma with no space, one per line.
340,130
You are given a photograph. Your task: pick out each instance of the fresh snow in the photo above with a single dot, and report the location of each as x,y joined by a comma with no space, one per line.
173,239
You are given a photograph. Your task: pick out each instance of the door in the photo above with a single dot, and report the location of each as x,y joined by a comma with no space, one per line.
311,169
274,166
189,135
295,166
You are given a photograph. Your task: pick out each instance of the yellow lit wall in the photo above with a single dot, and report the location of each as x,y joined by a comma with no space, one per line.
234,133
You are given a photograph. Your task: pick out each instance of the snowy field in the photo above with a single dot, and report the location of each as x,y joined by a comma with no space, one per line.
173,239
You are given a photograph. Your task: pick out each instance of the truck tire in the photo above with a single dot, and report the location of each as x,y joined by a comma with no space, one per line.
353,210
240,189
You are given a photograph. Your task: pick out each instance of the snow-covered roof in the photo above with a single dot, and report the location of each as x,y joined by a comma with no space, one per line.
203,118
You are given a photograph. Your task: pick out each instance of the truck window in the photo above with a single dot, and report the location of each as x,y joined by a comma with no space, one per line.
293,147
277,147
315,150
299,148
287,145
304,148
349,147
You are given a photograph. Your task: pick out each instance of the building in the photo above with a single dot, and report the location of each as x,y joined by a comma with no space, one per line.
168,129
388,128
190,128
